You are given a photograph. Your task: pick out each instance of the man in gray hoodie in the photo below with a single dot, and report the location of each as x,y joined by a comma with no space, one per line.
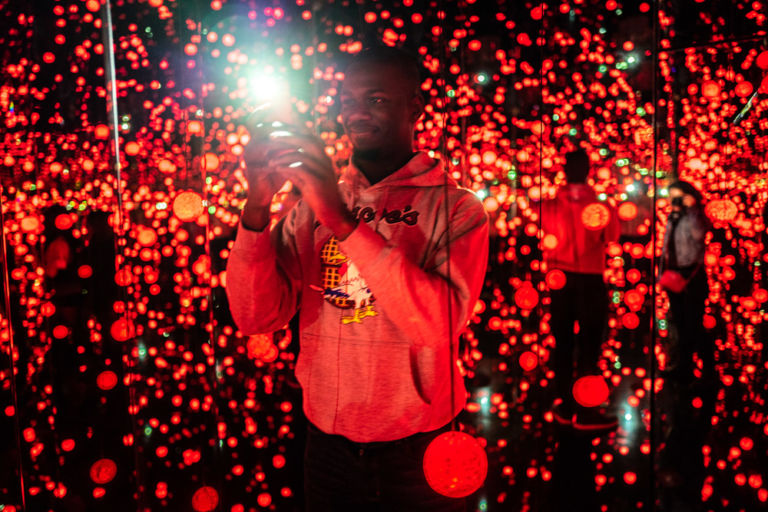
385,266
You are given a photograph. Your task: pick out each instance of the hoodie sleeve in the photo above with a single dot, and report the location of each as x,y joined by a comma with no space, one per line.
414,298
264,277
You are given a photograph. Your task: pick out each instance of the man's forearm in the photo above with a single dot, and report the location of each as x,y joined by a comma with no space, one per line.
255,217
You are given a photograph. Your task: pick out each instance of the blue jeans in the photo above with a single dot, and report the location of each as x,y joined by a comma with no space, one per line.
341,475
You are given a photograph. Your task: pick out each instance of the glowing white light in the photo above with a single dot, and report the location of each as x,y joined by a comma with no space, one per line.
268,88
631,187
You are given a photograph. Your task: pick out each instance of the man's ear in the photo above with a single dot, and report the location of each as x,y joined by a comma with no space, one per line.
416,107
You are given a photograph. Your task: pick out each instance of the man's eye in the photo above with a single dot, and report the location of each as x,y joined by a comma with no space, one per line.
376,101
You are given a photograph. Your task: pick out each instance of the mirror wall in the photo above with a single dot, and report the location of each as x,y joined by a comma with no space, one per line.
124,382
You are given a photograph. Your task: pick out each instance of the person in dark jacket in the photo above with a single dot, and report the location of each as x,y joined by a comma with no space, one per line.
689,386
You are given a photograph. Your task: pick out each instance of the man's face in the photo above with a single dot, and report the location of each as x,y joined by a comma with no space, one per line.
378,109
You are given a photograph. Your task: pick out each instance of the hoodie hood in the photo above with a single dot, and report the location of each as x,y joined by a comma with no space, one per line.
579,192
420,171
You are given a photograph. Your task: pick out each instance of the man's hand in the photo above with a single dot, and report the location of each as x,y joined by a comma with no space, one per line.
310,169
263,180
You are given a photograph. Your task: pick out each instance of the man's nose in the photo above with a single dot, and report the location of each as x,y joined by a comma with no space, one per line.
356,112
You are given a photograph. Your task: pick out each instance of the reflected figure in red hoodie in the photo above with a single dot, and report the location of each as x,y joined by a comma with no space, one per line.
365,261
582,228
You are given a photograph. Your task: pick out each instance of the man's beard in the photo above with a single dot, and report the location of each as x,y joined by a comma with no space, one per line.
366,154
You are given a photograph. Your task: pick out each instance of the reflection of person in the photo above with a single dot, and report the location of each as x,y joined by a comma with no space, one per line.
582,228
683,252
367,264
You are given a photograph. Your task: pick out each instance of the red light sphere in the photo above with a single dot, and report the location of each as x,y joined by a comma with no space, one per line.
106,380
455,464
63,221
744,89
526,297
528,360
590,391
205,499
762,60
122,330
103,471
595,216
555,279
188,206
710,89
721,210
627,211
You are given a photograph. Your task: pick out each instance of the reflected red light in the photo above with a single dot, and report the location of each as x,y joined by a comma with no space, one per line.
101,131
528,360
264,499
205,499
146,236
595,216
103,471
60,332
630,320
721,210
122,330
30,224
762,60
590,391
106,380
555,279
526,297
549,242
63,221
627,211
210,162
455,464
744,89
188,206
710,89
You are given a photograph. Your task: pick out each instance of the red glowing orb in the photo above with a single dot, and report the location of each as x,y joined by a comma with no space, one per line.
721,210
528,360
630,320
595,216
63,221
106,380
526,297
744,89
30,224
205,499
122,330
590,391
627,211
555,279
210,162
762,60
549,242
455,464
634,300
146,236
188,206
103,471
710,89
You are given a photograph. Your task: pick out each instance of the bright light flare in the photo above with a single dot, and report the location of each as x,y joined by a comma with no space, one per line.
268,89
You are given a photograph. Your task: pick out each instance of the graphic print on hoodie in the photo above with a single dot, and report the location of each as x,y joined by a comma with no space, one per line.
343,285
